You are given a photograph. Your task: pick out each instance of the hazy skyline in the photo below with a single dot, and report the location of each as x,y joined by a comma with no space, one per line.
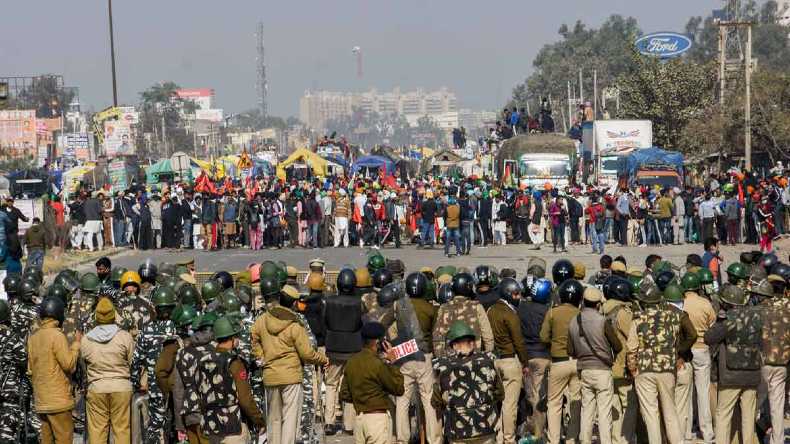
477,51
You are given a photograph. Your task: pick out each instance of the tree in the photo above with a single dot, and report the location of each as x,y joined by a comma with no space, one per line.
162,109
770,45
606,50
669,93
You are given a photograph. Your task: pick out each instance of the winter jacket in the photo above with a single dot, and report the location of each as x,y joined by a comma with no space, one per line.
531,315
93,209
281,343
107,351
50,361
35,237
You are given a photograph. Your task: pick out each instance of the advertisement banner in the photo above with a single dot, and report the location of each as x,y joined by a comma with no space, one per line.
118,138
18,132
211,115
117,169
619,135
129,115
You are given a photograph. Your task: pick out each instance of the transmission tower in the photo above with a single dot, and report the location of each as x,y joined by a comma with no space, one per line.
261,86
736,65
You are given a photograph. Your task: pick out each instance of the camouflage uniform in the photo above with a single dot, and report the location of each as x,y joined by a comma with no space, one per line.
149,345
461,308
776,355
370,301
186,363
307,423
652,356
217,391
13,361
78,313
24,322
139,310
245,353
467,391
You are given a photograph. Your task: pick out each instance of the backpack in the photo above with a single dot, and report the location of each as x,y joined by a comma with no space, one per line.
504,212
599,220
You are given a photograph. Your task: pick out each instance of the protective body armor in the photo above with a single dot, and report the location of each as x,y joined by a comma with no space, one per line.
343,324
468,384
658,328
743,340
222,413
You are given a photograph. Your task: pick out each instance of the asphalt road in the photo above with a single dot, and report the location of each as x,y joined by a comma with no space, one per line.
512,256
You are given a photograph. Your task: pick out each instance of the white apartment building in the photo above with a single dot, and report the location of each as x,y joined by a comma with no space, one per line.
316,108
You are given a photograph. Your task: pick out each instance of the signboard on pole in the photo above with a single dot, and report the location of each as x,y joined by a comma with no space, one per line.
118,138
129,115
180,162
77,145
663,44
18,132
117,170
210,115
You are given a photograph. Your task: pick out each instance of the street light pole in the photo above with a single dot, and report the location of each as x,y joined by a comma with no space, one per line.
112,57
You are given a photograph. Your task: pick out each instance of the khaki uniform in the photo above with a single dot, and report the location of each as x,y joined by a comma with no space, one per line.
624,414
368,383
562,373
510,348
702,316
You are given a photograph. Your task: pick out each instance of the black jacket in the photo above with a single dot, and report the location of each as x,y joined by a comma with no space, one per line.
531,315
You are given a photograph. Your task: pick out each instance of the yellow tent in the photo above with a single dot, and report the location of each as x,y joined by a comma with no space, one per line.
215,169
71,178
316,162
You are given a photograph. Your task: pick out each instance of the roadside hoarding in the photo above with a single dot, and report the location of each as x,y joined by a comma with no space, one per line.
210,115
129,115
201,96
18,132
77,145
118,138
117,170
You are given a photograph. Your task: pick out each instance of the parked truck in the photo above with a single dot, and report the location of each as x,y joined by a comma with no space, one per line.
535,159
606,142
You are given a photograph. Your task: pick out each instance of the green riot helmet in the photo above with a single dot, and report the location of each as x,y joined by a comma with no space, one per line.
737,272
245,294
205,320
226,327
690,282
376,262
282,277
184,315
5,312
459,330
115,276
209,291
636,283
733,295
270,288
180,270
57,291
230,301
649,294
705,276
67,281
673,293
188,295
89,283
268,269
11,284
164,297
171,283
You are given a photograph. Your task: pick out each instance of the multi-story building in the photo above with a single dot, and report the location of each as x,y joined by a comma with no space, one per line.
316,108
784,12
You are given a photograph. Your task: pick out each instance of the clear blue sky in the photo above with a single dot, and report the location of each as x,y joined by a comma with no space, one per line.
478,49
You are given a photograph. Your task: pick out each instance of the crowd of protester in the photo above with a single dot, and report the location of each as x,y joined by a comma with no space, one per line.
464,213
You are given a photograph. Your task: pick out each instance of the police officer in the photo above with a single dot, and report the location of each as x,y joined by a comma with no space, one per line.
467,389
186,366
510,350
209,292
13,360
81,306
736,339
654,344
148,273
563,372
775,314
140,310
368,382
343,319
684,376
417,372
146,352
222,383
51,360
379,279
485,287
165,369
531,313
619,313
462,307
738,275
